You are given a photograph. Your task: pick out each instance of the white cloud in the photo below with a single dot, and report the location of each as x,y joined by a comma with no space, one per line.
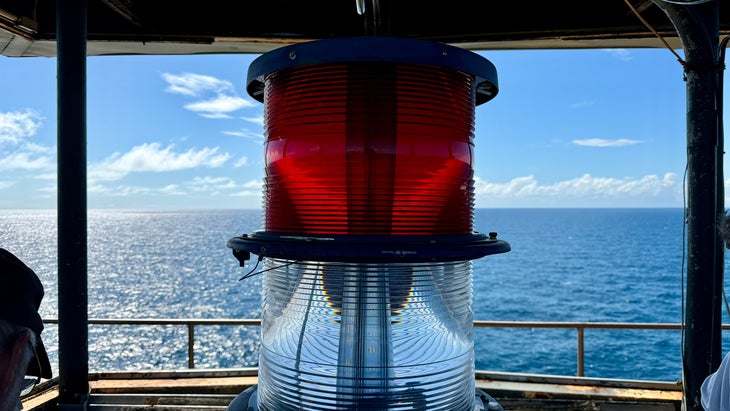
253,184
119,190
199,187
219,106
245,134
16,126
126,191
241,162
220,185
48,191
252,188
97,188
25,161
35,148
256,120
213,185
584,190
131,191
172,189
214,115
191,84
6,184
215,98
46,176
247,193
621,54
151,157
601,142
581,104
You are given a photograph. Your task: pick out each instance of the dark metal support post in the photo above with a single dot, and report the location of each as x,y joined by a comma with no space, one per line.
698,27
72,213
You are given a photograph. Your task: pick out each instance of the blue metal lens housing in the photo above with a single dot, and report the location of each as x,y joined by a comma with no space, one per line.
375,49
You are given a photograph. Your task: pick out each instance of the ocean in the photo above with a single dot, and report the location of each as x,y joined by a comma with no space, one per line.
618,265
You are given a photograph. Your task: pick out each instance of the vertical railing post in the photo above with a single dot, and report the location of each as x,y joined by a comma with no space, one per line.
191,344
580,351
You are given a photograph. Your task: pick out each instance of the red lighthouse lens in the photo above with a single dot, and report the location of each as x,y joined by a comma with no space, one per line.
369,148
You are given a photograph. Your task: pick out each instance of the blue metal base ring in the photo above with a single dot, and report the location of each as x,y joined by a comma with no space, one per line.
369,249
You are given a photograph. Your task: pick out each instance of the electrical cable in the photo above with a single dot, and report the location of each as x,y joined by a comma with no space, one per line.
659,36
251,273
684,262
687,3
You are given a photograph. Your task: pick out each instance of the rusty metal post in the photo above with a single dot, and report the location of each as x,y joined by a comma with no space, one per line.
73,350
698,27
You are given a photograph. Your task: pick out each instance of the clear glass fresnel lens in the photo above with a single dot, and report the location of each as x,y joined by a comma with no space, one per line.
367,336
368,238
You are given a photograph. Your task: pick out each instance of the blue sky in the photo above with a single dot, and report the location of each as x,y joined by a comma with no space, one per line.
569,128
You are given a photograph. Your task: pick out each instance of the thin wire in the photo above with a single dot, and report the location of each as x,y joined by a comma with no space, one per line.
684,253
687,3
252,274
684,256
248,274
659,36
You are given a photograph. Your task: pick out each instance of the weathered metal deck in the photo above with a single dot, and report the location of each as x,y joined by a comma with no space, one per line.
207,390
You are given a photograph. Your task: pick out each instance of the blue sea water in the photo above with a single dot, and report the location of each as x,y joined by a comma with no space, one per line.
620,265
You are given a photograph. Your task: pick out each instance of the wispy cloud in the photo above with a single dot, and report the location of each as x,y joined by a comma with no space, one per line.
46,176
25,161
17,152
6,184
212,185
251,188
601,142
17,126
172,189
219,106
259,120
194,85
195,189
621,54
245,133
241,162
215,98
223,186
586,188
581,104
152,157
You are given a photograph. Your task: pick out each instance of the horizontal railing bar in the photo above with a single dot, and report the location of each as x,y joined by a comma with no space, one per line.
166,321
477,323
579,326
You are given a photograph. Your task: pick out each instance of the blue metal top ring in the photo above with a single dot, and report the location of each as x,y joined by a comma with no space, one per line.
374,49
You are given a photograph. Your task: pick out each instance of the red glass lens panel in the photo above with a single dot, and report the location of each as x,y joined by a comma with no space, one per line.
369,148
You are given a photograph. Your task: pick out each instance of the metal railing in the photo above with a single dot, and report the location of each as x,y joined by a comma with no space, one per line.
580,328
